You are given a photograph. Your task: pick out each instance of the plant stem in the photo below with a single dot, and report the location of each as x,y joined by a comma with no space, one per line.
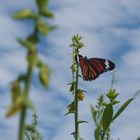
102,137
108,134
76,106
23,111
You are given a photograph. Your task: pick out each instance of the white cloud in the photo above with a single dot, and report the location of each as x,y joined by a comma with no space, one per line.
107,27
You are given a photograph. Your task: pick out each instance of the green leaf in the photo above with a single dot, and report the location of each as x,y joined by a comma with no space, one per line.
33,38
43,28
27,136
16,106
72,86
21,77
44,75
136,93
15,90
94,112
122,108
81,121
30,105
29,128
97,134
107,116
27,44
47,13
23,14
42,3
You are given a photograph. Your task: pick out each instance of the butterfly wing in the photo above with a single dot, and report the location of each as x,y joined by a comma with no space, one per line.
93,67
84,66
99,66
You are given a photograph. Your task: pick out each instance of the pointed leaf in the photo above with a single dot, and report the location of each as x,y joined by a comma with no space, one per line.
107,116
44,75
43,28
69,112
27,136
33,38
94,112
41,3
26,43
16,107
122,108
97,134
45,12
82,121
15,90
23,14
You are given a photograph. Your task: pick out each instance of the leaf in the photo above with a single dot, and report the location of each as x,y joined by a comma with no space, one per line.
94,112
16,107
122,108
44,75
27,137
23,14
73,133
107,116
27,44
33,38
72,86
97,134
47,13
43,28
81,121
15,90
136,93
21,77
72,112
42,3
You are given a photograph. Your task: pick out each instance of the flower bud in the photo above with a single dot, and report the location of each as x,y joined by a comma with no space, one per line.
80,95
44,75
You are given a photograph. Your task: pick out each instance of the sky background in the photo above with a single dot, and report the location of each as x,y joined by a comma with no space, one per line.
111,29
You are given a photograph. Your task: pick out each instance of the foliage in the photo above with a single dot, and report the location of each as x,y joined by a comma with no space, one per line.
20,87
31,132
77,93
103,114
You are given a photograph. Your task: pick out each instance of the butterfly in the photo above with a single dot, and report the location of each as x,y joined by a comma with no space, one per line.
91,68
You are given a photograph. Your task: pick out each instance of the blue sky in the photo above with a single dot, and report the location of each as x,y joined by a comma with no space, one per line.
111,29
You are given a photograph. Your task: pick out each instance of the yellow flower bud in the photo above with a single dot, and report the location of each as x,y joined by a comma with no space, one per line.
71,107
44,75
15,90
32,58
80,95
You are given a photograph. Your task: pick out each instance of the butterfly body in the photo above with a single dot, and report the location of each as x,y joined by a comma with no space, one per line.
91,68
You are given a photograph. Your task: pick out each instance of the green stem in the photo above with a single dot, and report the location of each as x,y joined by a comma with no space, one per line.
108,134
76,106
102,137
23,111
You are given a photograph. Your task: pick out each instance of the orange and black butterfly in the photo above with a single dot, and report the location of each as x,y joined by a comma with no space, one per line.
91,68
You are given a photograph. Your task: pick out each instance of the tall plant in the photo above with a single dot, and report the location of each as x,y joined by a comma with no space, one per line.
77,92
20,87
